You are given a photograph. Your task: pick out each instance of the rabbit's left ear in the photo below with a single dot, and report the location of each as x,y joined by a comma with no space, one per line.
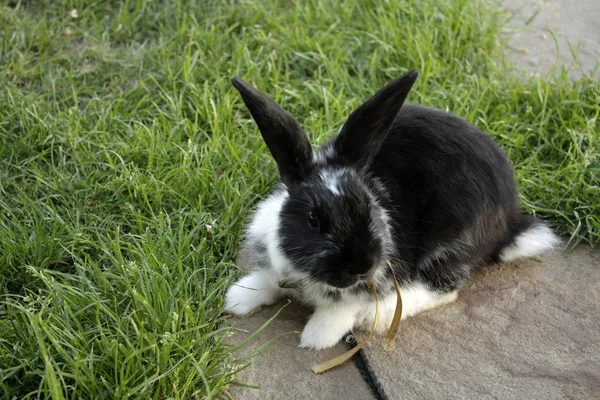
365,130
283,135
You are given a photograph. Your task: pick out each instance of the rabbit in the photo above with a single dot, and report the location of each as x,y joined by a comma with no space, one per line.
400,186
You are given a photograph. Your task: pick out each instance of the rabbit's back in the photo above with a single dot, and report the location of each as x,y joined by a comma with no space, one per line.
448,183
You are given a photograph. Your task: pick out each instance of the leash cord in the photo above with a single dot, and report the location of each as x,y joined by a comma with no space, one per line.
363,365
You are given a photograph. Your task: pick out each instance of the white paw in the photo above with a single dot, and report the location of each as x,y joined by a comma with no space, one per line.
239,301
249,293
326,328
418,297
319,339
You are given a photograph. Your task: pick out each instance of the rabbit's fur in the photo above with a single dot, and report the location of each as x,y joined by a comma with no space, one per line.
415,186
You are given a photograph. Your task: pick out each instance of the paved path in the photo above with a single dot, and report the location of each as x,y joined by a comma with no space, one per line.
576,22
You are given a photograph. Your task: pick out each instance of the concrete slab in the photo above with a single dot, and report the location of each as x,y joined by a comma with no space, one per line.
283,369
531,46
523,330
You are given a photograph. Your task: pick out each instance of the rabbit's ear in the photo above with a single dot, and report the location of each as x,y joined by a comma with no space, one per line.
365,130
280,131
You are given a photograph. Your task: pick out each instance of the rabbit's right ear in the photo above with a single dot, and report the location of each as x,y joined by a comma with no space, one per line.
281,132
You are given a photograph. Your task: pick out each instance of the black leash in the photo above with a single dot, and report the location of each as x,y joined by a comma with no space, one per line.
361,361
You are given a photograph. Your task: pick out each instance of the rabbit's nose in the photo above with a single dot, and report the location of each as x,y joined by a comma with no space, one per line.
360,270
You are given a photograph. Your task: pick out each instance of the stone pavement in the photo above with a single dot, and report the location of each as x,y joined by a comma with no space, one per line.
532,48
528,330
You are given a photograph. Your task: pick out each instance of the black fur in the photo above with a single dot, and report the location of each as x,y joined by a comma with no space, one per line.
450,180
345,245
447,189
365,130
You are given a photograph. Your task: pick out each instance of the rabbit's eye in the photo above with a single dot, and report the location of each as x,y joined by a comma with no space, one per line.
313,219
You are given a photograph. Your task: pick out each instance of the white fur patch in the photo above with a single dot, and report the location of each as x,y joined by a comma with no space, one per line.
327,325
323,154
251,292
416,297
534,241
265,222
319,157
265,226
332,179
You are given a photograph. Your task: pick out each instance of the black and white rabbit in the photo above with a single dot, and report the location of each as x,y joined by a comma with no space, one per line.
413,185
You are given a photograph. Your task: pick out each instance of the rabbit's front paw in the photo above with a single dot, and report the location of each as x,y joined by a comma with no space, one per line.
249,293
326,328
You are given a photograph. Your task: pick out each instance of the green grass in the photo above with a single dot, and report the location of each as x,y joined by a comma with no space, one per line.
128,163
